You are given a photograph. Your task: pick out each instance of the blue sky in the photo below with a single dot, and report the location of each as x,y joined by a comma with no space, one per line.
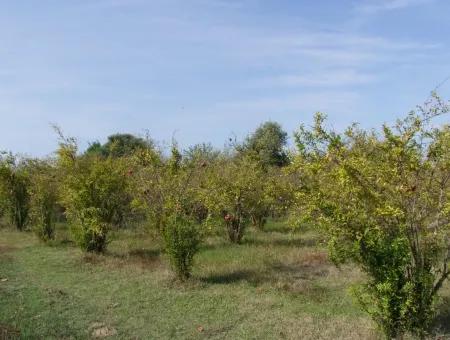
203,70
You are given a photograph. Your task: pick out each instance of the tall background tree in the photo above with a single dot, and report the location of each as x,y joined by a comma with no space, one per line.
267,144
200,153
120,145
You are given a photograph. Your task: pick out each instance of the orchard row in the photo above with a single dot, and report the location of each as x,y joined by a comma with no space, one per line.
380,197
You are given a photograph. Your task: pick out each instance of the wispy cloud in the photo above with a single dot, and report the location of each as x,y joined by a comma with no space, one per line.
372,7
323,78
113,3
302,102
229,4
211,64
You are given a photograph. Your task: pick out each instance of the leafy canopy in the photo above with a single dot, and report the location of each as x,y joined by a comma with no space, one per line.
120,145
384,201
267,144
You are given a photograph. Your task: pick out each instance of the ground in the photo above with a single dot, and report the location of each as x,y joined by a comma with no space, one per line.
276,285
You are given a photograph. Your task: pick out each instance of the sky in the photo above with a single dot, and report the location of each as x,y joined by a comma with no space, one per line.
206,70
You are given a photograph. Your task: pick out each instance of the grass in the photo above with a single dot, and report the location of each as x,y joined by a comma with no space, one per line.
276,285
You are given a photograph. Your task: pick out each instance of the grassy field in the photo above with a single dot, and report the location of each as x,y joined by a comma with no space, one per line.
277,285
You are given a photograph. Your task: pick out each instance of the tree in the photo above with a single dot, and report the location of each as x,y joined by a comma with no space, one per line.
384,202
270,195
267,144
167,186
43,198
181,242
167,190
120,145
200,153
94,193
234,191
14,189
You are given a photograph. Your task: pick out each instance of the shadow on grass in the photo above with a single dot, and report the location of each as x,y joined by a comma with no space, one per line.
62,243
302,283
141,256
216,245
233,277
283,242
310,268
299,271
442,321
145,254
145,258
279,228
276,242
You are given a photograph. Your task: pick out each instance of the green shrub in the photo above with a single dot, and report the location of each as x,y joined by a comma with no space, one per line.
397,300
235,225
181,241
14,189
95,194
43,200
90,231
236,189
96,198
166,187
383,200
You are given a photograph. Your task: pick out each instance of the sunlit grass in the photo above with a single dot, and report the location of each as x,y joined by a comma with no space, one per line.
276,285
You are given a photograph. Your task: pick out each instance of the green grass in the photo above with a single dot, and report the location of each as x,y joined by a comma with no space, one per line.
276,285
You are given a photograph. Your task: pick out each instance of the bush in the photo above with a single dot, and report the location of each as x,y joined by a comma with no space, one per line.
235,226
14,191
43,200
397,301
95,194
238,190
383,201
181,241
168,187
90,231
